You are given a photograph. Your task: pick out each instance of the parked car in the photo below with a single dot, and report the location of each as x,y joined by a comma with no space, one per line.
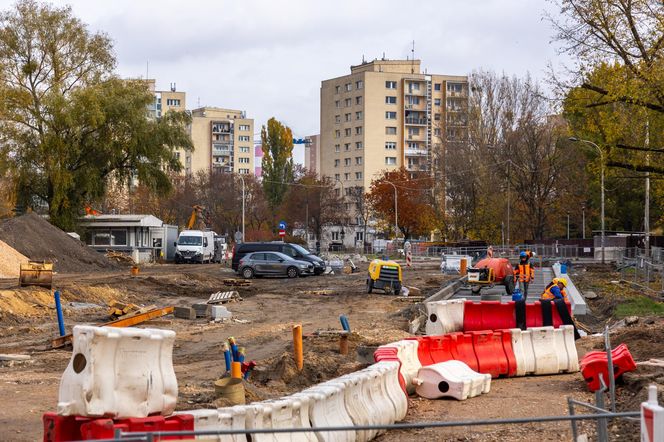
294,251
273,264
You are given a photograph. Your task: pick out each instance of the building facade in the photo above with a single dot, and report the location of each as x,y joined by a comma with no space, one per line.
387,114
223,141
312,154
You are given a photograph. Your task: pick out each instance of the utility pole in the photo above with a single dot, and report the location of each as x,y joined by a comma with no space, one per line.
508,201
583,214
646,221
242,178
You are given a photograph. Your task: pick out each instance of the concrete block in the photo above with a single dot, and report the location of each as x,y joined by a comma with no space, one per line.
220,312
202,309
185,313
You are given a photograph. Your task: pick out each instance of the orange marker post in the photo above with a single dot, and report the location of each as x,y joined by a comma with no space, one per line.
236,370
297,346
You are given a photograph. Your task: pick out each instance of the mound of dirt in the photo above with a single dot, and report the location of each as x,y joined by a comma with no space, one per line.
11,261
38,239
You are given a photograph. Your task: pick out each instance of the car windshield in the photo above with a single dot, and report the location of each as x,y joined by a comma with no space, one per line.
190,241
301,250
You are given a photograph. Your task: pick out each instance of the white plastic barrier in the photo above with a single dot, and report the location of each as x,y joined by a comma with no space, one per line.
375,392
410,363
361,410
232,418
565,339
390,377
523,352
327,409
444,316
288,412
545,350
119,372
451,379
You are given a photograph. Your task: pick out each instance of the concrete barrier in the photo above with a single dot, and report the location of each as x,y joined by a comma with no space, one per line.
579,306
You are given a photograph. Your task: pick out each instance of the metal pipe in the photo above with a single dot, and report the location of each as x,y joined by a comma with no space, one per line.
609,361
58,309
570,406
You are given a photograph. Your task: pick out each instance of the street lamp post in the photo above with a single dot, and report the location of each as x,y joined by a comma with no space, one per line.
242,179
601,159
583,214
396,213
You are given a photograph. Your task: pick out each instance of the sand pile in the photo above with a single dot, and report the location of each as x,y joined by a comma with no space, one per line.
37,239
10,261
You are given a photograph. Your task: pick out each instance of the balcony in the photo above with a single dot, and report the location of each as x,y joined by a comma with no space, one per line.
457,94
416,121
417,168
222,149
416,152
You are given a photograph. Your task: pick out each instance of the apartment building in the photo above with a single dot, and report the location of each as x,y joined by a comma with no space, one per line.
387,114
223,141
165,101
312,154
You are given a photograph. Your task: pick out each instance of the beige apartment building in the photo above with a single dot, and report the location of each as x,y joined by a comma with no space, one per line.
223,141
386,114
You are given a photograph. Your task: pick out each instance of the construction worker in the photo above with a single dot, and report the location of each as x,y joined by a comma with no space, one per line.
555,290
524,273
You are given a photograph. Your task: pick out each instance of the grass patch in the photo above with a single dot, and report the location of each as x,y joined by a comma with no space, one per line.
640,306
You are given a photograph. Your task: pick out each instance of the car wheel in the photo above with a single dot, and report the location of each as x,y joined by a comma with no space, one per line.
370,285
508,282
475,289
247,273
292,272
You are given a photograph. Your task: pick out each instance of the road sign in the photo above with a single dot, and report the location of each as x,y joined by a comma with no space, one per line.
282,225
282,232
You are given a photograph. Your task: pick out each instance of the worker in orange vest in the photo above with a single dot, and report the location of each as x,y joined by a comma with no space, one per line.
524,272
555,290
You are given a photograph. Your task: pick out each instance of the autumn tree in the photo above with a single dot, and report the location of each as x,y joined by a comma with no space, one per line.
277,145
414,211
361,205
66,124
312,202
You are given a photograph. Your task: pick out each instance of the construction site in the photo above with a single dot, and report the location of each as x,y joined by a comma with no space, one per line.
216,316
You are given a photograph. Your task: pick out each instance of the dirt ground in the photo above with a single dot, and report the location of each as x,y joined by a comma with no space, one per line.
265,316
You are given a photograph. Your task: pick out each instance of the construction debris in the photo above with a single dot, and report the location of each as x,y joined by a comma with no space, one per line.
185,313
120,258
202,309
237,282
224,297
118,309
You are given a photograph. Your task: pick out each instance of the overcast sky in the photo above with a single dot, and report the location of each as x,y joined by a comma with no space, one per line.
269,57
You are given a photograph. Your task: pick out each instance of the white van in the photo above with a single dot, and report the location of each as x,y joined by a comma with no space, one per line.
194,246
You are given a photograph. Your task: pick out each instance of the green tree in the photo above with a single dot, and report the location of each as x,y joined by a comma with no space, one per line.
277,144
66,123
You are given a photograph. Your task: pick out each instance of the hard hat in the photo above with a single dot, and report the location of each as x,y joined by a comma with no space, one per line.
523,254
562,281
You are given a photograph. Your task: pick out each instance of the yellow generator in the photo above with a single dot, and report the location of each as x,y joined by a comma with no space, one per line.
384,275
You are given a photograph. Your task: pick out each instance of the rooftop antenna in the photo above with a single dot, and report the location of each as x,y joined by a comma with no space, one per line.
412,52
363,60
383,56
199,101
173,87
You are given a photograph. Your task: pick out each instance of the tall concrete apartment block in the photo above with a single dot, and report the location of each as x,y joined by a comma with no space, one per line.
223,141
386,114
165,101
312,154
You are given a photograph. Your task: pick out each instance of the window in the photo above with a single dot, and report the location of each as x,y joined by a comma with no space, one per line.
337,162
436,117
336,178
391,161
358,100
347,117
358,145
243,137
454,104
359,84
358,175
390,100
244,149
411,99
346,161
349,87
337,119
390,145
436,86
391,84
358,115
414,86
454,88
412,145
337,89
436,101
358,130
243,171
244,127
436,131
110,238
358,161
347,147
173,102
177,155
391,115
337,147
337,104
337,133
335,236
359,236
413,131
347,176
390,130
243,160
348,131
349,102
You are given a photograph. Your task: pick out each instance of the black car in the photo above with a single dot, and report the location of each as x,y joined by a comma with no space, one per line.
295,251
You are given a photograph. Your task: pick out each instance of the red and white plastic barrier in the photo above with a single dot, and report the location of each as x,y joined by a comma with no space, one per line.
652,418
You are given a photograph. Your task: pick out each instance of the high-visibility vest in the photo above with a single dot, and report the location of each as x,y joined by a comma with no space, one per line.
525,271
547,295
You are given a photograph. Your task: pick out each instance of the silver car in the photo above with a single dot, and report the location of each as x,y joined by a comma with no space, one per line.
272,264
